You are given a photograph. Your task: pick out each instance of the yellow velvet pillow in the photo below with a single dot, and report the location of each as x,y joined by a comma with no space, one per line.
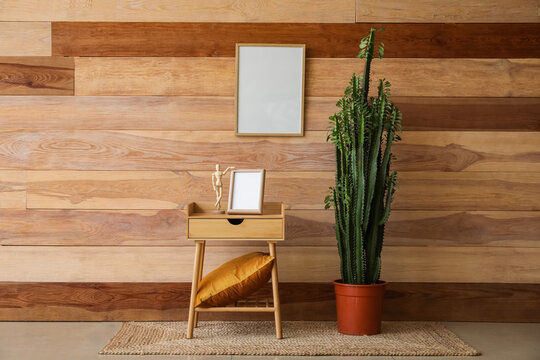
235,280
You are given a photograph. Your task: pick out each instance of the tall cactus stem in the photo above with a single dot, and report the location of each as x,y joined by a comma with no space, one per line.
363,131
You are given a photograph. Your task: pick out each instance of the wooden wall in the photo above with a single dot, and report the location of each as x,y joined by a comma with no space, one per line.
113,113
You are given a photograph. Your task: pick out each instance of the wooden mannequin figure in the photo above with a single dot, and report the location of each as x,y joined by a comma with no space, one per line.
217,185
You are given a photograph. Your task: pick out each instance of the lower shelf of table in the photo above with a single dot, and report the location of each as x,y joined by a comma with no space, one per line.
235,309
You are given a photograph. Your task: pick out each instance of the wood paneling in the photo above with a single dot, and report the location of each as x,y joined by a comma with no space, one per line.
296,263
25,38
467,191
187,150
465,228
430,77
12,189
154,76
322,40
300,190
180,10
148,264
93,301
462,302
459,264
138,150
123,112
93,228
309,228
217,113
113,190
478,114
36,76
303,228
94,185
467,151
324,77
299,301
135,227
138,112
426,228
450,11
161,189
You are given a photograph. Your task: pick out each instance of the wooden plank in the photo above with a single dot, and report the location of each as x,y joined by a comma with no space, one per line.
93,228
181,10
36,76
467,151
324,77
467,191
154,76
426,228
128,264
161,150
217,113
111,190
304,264
465,228
12,189
467,264
128,228
430,77
303,228
299,301
25,38
93,301
200,150
309,228
219,39
452,11
478,114
462,302
445,113
119,112
160,190
460,191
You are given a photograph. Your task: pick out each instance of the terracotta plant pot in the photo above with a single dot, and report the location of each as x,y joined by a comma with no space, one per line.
359,308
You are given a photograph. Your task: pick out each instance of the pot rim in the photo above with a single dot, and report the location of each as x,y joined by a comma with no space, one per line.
380,283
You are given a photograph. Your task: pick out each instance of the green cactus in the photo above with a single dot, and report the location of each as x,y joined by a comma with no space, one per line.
363,131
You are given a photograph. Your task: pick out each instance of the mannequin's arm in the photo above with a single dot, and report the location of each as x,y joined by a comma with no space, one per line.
214,182
229,168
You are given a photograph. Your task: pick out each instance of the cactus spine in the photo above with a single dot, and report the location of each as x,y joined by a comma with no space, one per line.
363,131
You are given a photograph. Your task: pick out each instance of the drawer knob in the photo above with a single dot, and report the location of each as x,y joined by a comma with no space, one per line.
235,221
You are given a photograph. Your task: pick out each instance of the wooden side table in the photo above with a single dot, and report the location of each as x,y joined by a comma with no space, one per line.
205,225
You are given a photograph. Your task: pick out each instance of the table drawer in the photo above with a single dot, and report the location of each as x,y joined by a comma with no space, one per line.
235,228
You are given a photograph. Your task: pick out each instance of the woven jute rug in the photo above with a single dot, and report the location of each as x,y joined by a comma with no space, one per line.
300,338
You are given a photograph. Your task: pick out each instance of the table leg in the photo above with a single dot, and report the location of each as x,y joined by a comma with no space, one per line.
275,291
194,287
196,321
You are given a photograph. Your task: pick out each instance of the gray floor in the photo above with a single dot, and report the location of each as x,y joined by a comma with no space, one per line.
82,341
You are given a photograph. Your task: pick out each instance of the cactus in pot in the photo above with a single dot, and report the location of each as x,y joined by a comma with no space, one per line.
363,131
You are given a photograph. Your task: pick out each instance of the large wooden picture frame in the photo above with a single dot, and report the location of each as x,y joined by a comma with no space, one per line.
270,89
246,192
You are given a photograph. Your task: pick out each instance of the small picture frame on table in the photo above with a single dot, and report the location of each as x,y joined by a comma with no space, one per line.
246,192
